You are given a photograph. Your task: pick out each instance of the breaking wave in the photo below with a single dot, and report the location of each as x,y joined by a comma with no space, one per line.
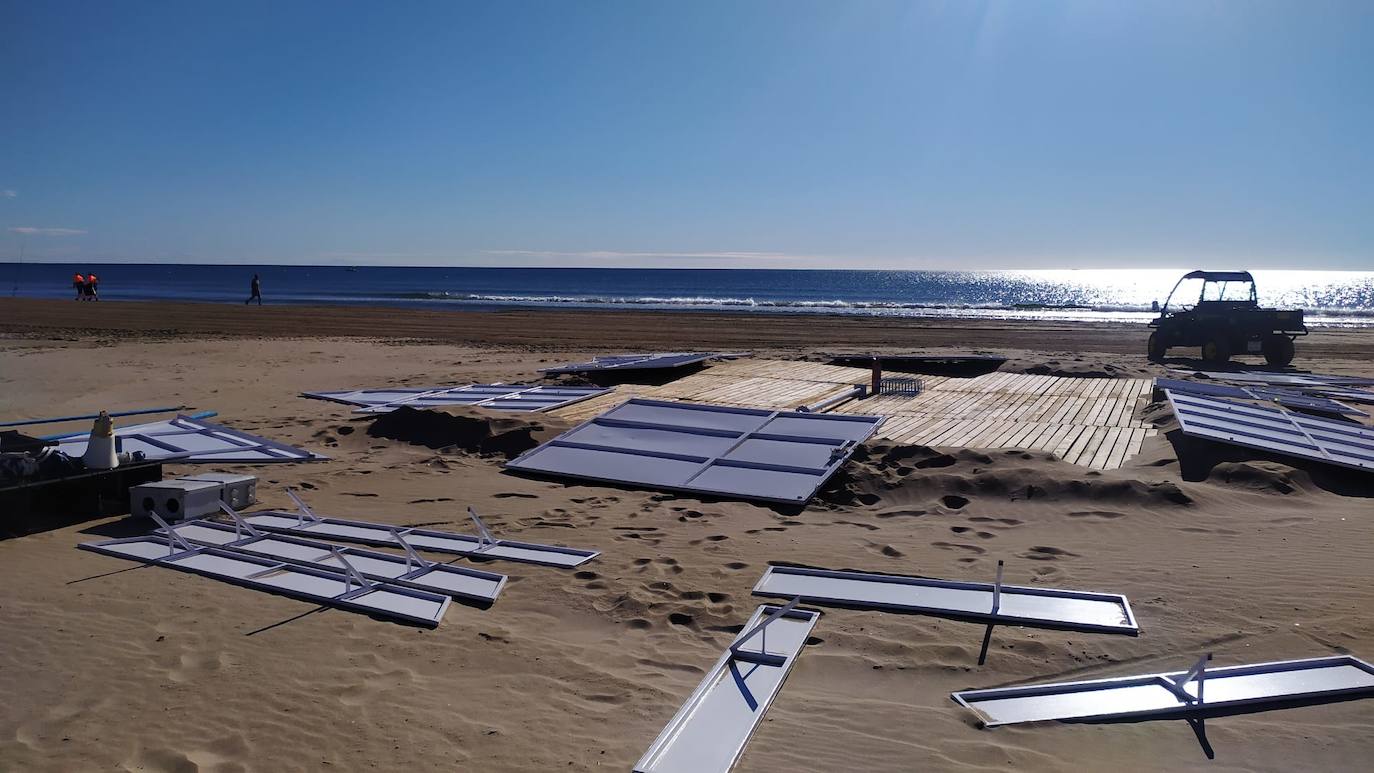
1123,312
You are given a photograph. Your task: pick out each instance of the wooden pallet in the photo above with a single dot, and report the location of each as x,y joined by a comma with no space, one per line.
1085,421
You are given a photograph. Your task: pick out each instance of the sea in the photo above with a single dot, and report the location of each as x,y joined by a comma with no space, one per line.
1330,298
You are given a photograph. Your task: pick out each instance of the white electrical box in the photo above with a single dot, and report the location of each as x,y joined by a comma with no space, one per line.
175,500
239,491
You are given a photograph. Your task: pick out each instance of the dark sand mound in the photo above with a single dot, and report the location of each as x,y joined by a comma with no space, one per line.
1077,366
467,429
896,475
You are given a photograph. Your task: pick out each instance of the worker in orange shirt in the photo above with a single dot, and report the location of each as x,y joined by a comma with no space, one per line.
79,284
93,287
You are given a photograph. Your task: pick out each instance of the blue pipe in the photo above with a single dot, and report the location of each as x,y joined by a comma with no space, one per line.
138,412
199,415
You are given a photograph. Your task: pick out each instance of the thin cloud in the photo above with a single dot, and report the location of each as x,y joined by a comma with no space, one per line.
29,230
9,193
616,255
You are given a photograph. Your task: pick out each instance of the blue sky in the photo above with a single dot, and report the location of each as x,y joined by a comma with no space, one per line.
732,134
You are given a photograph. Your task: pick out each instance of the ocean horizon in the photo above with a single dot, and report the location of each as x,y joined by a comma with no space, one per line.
1330,298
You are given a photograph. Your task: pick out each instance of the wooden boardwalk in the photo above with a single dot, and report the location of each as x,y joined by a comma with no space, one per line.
1085,421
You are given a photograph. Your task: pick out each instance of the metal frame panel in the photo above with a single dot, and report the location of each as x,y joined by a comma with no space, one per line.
501,397
749,453
1274,430
711,729
407,570
1286,397
191,440
992,603
1221,691
1286,379
616,362
334,588
369,533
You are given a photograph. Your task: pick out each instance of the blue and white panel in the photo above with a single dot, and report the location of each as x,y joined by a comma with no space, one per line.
452,580
500,397
976,601
1274,430
709,733
327,587
748,453
1176,695
385,535
194,440
1288,398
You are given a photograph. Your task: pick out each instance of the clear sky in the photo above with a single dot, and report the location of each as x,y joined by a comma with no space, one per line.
792,134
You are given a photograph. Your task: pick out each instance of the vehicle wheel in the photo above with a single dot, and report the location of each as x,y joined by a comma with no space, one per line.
1156,348
1278,350
1216,350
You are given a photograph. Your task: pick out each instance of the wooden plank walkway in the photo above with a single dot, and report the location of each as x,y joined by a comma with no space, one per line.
1085,421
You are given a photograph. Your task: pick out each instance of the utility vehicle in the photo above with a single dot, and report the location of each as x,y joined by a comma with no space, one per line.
1225,320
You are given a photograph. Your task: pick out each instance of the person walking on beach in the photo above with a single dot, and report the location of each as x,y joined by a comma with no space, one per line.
93,287
79,284
256,289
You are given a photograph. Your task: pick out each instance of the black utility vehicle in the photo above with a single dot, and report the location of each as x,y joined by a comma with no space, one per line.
1226,320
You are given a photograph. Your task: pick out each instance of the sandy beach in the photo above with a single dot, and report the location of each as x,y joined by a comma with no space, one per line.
105,665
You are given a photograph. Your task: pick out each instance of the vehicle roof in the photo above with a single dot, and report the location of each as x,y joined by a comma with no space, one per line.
1220,276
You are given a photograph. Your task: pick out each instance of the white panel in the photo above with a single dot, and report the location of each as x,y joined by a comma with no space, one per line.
193,440
704,449
426,539
709,732
1275,430
501,397
1254,687
1016,605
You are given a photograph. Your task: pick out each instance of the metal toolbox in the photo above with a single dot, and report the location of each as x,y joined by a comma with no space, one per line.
174,500
239,491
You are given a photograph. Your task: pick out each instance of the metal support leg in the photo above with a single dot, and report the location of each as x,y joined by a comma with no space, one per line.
763,657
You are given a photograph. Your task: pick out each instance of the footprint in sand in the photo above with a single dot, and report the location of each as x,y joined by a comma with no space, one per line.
867,526
886,550
1004,522
195,664
959,546
900,512
966,530
1096,515
1047,553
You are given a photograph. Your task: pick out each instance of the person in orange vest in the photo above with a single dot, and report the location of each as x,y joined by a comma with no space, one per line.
79,283
93,287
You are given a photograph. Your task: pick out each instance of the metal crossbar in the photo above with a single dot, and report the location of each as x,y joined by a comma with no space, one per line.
174,537
240,525
303,510
484,538
1179,686
411,555
763,657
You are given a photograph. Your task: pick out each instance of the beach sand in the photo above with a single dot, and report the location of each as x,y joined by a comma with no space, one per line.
105,665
